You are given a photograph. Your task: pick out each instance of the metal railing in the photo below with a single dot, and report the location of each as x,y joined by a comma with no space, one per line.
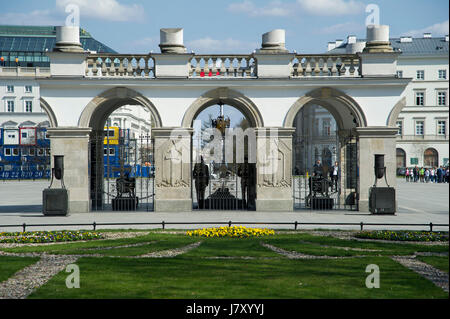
295,224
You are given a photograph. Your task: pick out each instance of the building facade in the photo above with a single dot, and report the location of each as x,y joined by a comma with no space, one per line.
423,124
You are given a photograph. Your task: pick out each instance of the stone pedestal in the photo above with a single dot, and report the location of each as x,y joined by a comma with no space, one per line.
72,142
375,140
173,169
274,169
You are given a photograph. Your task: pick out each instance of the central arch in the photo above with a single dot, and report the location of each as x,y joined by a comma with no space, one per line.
227,96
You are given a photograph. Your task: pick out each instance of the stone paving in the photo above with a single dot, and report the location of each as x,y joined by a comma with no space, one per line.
417,204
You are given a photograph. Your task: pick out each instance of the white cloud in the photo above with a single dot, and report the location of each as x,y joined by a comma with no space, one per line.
273,9
438,29
209,45
343,28
313,7
110,10
36,17
331,7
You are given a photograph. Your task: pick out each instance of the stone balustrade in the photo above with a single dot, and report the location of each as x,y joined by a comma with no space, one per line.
326,65
120,65
222,66
24,71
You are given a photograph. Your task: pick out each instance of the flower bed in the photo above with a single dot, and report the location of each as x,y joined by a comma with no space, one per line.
233,232
48,236
403,235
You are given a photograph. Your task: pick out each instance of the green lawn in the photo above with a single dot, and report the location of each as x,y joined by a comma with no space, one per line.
237,268
9,265
186,278
436,261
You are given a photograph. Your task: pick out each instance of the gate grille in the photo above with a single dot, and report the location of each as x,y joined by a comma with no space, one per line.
121,171
323,192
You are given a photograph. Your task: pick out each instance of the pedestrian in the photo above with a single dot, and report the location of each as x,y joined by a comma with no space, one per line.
407,174
416,174
432,174
334,176
439,174
427,175
421,174
447,175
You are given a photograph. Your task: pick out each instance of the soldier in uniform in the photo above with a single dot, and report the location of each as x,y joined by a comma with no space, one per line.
247,173
201,178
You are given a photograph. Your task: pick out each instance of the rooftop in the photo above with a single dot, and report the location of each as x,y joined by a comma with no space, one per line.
410,47
29,44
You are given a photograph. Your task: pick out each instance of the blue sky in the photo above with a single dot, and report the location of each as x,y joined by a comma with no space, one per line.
226,26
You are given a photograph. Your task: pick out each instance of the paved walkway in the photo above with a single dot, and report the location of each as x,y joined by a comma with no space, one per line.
418,204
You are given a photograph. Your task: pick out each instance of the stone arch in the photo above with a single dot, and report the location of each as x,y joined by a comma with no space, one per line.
227,96
97,111
395,112
51,115
400,155
431,157
344,108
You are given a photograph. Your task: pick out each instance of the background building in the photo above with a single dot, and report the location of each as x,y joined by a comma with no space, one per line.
22,59
423,124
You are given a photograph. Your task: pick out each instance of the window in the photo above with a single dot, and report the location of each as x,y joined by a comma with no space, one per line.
10,88
399,74
442,98
111,152
420,98
441,127
109,133
7,152
400,127
24,134
10,106
40,152
28,88
32,151
442,74
326,128
420,75
419,127
29,106
15,152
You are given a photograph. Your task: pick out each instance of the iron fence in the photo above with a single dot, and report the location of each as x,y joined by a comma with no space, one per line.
295,224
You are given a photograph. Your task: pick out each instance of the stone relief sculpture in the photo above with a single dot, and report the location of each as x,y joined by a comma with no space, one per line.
274,164
174,171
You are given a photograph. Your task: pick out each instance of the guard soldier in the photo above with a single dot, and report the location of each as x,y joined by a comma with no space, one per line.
247,173
201,178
